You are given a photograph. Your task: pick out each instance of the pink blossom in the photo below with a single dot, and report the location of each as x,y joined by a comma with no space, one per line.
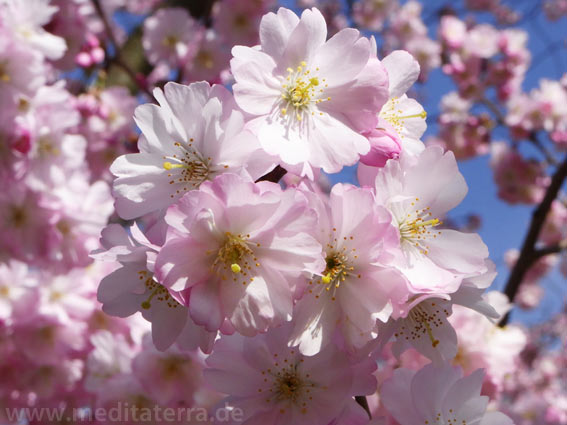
237,22
481,4
82,209
452,31
554,229
27,19
55,152
498,353
210,60
531,292
44,339
274,383
401,121
13,277
427,52
519,180
170,377
240,248
406,24
355,290
482,41
24,223
422,322
69,297
111,356
555,9
106,124
132,288
371,14
171,35
22,71
438,394
419,191
301,89
465,134
182,146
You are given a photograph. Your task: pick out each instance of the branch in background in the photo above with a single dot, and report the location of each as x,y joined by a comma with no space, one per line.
532,137
117,59
529,254
350,4
273,176
553,249
201,9
537,143
360,399
494,109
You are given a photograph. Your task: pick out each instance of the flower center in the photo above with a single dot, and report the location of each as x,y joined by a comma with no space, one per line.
337,269
46,148
241,21
422,320
4,76
236,255
391,113
205,59
193,168
17,216
416,227
300,90
156,292
339,266
170,41
284,382
288,385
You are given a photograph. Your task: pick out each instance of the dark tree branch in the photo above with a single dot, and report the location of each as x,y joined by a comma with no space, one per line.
529,254
273,176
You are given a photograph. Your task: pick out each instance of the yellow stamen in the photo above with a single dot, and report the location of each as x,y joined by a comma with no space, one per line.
433,222
169,165
235,268
422,115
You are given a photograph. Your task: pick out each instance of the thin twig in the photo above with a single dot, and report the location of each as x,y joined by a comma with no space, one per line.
528,253
534,139
117,59
500,120
532,136
552,249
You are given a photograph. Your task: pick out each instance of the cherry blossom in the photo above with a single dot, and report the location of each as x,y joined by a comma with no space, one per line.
356,288
181,147
433,260
239,249
274,383
297,90
438,395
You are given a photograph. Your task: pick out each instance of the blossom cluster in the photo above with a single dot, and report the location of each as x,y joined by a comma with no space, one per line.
55,198
262,288
295,291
